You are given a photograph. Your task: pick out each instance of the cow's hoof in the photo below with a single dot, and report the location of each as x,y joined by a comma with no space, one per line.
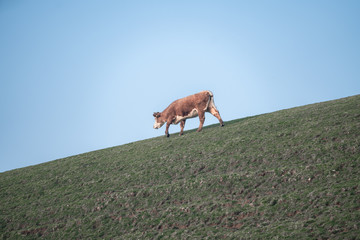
167,135
221,125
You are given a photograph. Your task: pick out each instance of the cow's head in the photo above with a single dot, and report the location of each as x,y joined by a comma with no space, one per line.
158,120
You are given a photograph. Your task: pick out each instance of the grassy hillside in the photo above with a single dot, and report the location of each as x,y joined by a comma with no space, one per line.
292,173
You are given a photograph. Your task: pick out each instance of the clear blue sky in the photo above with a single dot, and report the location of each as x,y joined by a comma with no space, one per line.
77,76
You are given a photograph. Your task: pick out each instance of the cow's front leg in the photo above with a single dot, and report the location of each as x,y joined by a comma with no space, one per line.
182,125
167,129
202,120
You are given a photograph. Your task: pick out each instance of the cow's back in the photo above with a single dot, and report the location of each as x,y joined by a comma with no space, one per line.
191,102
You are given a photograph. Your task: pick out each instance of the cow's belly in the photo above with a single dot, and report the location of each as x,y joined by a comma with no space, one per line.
192,114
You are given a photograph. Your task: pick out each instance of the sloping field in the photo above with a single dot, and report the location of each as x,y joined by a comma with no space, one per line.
292,173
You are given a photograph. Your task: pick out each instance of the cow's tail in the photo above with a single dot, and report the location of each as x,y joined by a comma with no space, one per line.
210,103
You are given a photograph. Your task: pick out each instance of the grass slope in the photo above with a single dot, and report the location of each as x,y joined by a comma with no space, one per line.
292,173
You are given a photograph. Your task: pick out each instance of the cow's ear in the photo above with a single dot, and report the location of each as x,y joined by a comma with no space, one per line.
156,114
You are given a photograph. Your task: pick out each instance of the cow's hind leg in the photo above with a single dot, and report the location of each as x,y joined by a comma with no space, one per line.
202,120
216,114
182,125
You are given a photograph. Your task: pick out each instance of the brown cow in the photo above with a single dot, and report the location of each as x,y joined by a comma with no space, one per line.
187,107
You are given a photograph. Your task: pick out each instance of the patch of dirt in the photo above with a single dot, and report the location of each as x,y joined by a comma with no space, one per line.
37,231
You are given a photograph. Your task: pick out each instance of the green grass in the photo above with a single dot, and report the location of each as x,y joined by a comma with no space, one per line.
294,174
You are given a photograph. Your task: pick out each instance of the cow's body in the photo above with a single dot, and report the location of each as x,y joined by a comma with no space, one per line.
187,107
